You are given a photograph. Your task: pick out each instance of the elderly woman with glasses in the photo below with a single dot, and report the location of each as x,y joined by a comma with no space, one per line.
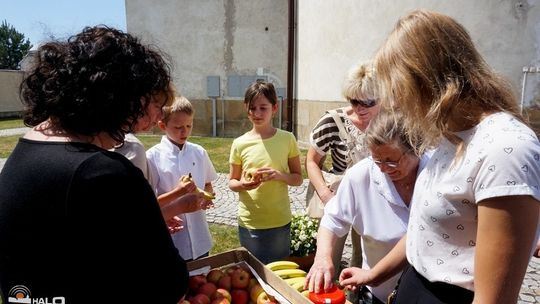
373,198
359,89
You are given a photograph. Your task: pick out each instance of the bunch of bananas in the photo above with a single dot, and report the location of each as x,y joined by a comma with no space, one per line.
207,195
291,273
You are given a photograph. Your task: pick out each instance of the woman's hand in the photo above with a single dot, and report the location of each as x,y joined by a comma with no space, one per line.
354,277
320,275
174,224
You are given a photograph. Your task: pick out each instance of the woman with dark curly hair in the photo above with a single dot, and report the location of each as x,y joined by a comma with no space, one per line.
79,223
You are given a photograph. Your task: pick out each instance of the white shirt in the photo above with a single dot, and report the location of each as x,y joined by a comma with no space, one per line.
167,163
133,149
367,199
502,158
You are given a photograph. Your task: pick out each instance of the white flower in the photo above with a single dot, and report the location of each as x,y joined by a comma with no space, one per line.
303,235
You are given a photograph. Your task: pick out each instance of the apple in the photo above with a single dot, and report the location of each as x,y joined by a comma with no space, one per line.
196,281
221,294
240,279
225,282
200,299
239,296
214,275
265,299
252,283
221,301
232,269
184,302
207,289
255,291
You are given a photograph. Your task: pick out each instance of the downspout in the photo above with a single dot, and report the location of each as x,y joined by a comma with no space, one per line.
291,122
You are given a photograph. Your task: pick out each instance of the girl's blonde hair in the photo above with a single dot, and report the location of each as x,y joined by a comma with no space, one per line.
430,69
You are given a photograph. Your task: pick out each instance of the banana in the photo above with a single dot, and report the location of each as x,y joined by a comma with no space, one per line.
290,273
207,195
291,281
277,265
298,286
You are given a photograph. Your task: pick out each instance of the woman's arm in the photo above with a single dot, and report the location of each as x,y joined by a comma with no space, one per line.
321,273
506,231
313,167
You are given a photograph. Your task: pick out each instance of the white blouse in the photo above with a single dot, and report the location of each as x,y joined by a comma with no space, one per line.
502,158
368,200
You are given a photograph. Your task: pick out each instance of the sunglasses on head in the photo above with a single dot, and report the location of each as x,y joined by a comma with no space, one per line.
366,103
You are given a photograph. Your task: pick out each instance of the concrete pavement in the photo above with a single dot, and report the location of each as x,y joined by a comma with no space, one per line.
226,207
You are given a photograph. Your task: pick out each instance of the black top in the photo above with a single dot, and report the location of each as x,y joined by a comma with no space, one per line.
80,222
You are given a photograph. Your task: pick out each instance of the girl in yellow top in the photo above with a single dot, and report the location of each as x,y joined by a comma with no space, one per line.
264,162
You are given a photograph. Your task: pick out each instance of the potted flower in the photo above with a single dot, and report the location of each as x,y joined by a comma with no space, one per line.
303,240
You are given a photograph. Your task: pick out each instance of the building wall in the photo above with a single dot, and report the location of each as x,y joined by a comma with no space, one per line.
10,103
507,33
215,38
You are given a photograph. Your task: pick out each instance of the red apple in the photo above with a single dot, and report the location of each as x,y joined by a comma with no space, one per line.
214,275
225,282
255,291
221,294
239,296
196,281
240,279
231,269
200,299
207,289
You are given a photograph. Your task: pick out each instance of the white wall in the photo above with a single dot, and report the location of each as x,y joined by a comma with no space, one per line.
333,35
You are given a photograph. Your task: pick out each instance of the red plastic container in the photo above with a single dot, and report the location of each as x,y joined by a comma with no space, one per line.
333,296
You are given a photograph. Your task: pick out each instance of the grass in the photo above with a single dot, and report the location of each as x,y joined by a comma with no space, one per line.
225,238
10,123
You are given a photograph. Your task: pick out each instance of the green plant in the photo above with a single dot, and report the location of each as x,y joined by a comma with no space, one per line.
303,235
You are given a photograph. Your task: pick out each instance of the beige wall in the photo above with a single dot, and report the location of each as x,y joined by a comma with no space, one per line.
10,103
214,38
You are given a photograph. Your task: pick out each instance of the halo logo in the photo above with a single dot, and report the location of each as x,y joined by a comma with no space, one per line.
21,294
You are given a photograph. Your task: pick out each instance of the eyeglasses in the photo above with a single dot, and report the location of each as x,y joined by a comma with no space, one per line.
366,103
389,164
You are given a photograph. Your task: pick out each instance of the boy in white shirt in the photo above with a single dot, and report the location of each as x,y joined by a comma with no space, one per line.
175,157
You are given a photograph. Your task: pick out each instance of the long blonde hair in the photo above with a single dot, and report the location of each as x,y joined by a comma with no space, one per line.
430,69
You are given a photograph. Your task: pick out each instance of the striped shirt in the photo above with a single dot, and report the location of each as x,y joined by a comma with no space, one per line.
325,137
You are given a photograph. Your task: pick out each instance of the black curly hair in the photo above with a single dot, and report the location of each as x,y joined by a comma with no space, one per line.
100,80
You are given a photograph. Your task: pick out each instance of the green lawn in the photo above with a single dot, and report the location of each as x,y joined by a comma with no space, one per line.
218,148
9,123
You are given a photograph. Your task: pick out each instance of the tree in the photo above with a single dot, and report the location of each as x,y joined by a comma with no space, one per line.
13,47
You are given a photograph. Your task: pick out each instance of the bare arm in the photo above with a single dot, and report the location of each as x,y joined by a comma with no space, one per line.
321,273
237,182
313,167
293,178
180,189
387,267
506,231
186,203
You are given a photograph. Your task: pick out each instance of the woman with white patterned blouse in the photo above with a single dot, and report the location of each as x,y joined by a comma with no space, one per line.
474,216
